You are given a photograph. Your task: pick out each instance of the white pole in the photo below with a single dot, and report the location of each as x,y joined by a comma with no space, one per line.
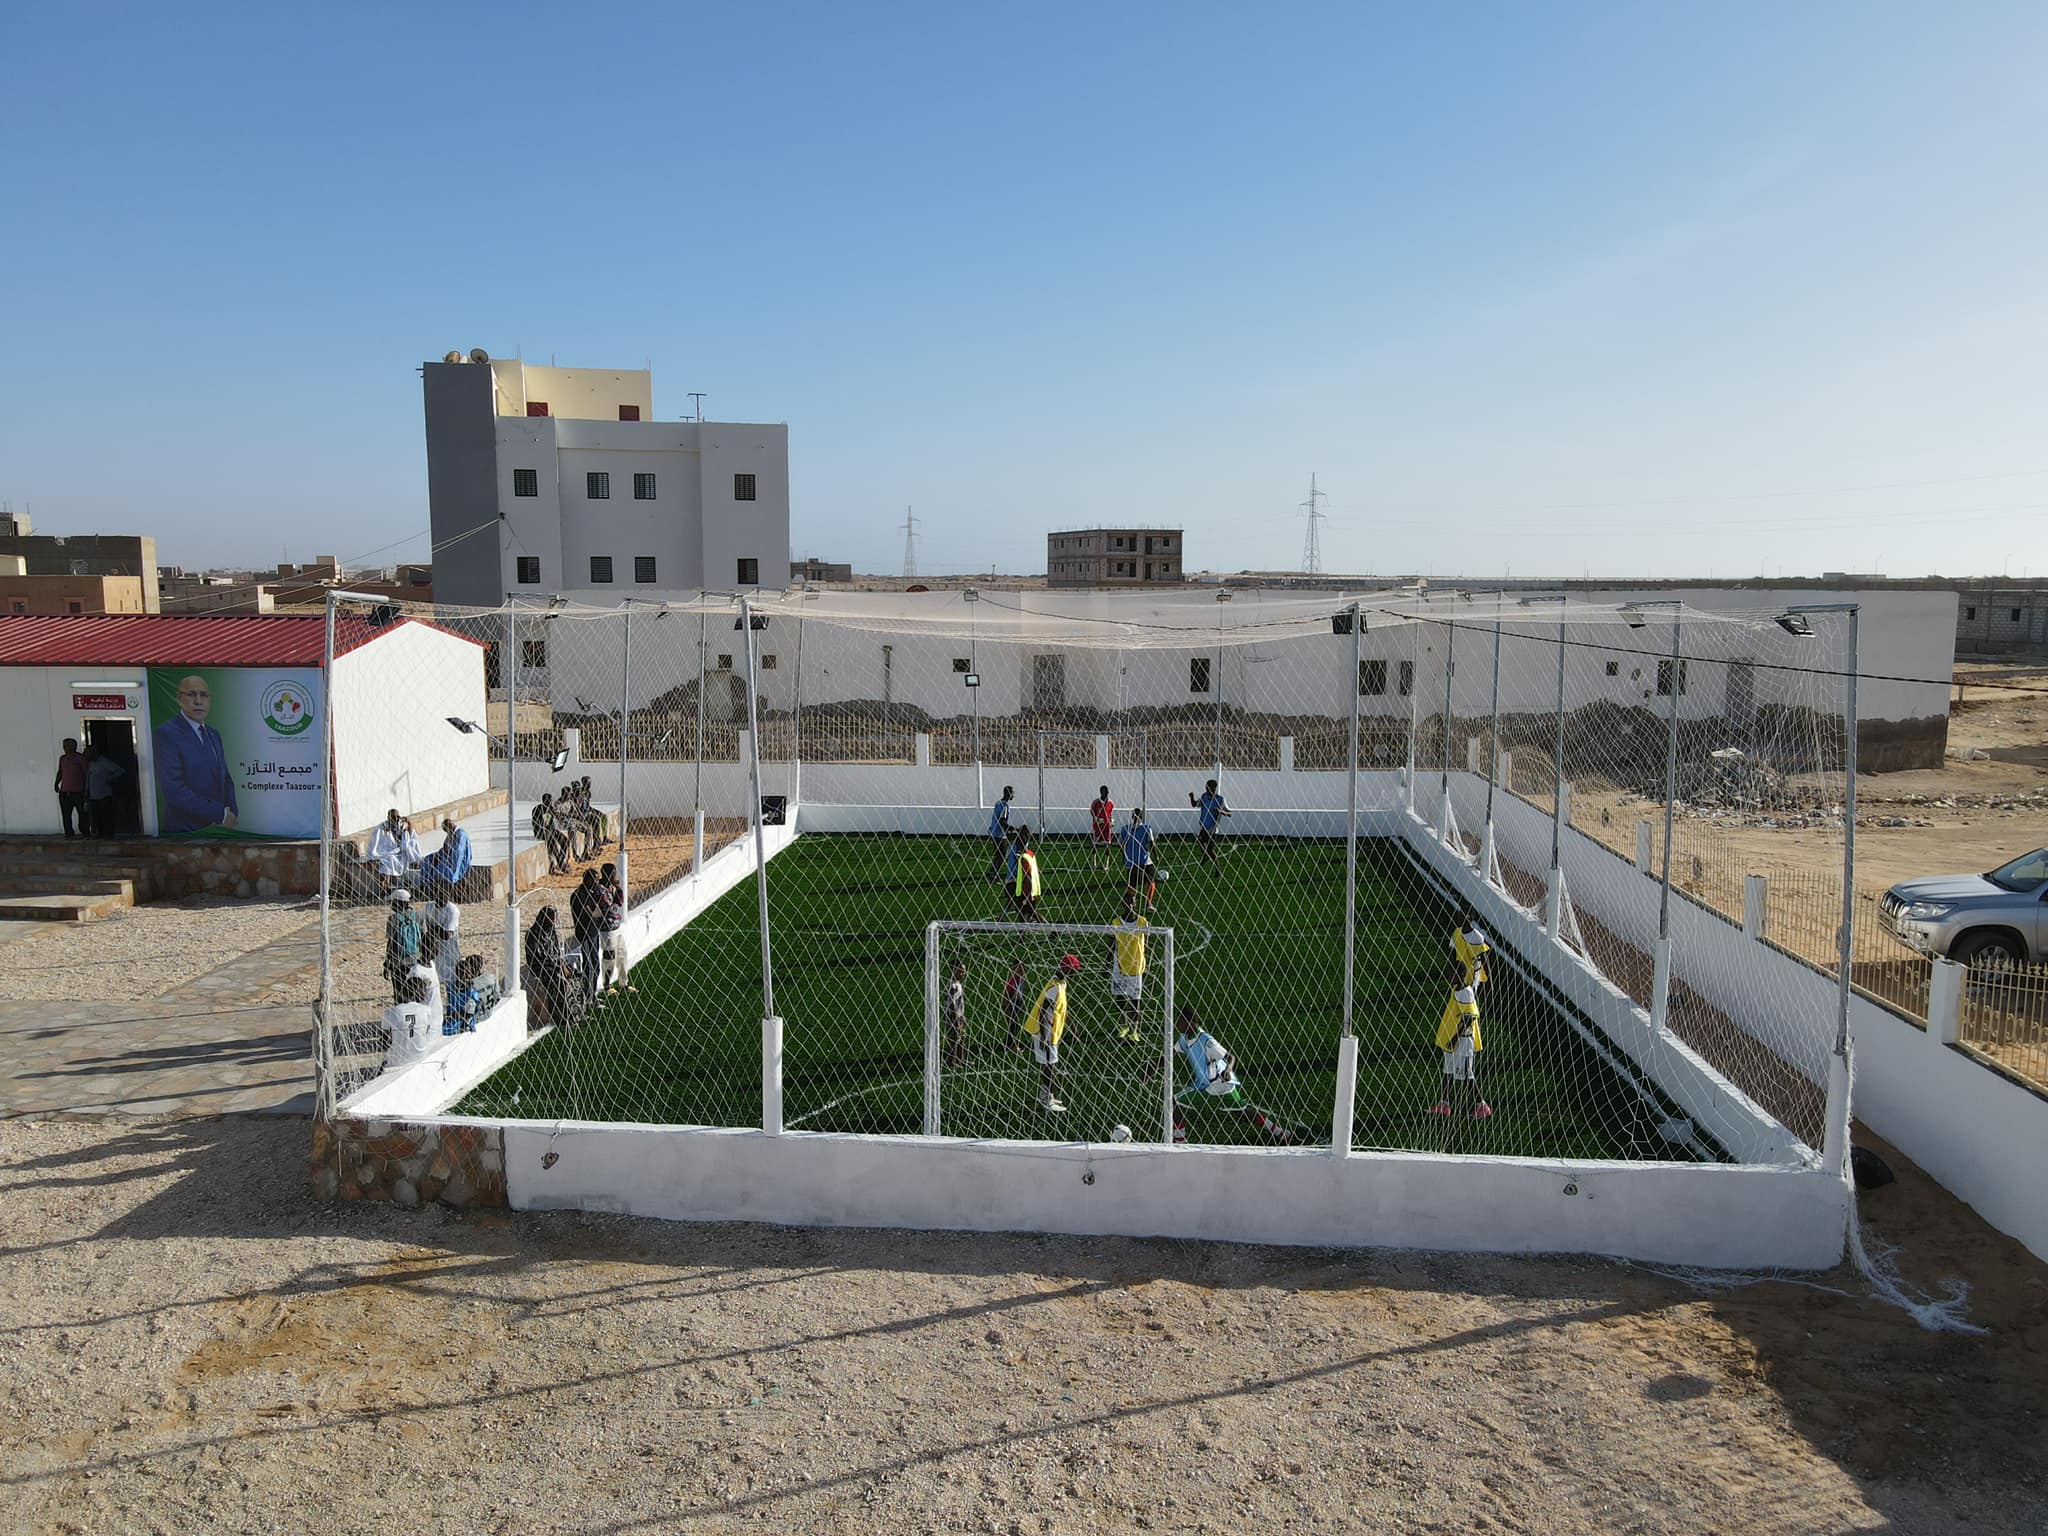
625,730
796,789
1166,1065
697,796
1351,826
1835,1149
1039,828
1443,810
1414,711
1660,980
511,797
932,1055
1493,764
771,1022
1553,909
323,1039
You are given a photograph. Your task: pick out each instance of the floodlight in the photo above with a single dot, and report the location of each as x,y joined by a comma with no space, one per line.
560,760
1633,616
467,727
1795,624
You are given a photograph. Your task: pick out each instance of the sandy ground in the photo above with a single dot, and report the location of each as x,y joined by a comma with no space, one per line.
137,953
192,1344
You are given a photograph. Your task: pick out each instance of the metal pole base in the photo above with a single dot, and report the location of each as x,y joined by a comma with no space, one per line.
1660,985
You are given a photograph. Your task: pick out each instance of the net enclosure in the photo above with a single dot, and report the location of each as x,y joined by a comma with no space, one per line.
1454,874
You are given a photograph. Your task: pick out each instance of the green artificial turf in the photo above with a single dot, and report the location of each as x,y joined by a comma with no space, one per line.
1260,943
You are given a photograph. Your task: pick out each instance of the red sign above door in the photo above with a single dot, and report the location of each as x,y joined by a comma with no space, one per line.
90,701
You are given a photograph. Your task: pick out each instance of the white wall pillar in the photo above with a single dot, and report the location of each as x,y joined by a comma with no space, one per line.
1102,754
1471,754
924,749
771,1075
1347,1096
1660,984
1507,771
1945,1002
1756,905
1287,754
1643,846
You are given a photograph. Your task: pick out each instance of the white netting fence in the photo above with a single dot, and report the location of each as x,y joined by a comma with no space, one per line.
1038,760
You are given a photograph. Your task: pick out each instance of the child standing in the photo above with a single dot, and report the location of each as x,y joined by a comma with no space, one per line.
1457,1036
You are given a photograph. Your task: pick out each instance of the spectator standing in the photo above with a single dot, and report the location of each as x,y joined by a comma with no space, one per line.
548,829
71,786
614,929
100,773
544,978
586,916
444,920
403,938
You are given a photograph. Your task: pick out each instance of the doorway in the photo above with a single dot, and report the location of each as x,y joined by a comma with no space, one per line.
116,738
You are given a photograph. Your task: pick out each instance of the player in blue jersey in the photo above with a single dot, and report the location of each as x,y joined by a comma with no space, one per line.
999,836
1209,804
1215,1081
1138,870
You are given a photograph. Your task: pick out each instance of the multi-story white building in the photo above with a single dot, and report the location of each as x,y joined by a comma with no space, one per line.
560,480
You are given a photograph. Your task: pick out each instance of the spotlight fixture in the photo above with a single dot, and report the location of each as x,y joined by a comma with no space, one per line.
1795,624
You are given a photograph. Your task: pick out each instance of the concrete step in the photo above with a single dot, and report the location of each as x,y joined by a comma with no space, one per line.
59,909
12,866
12,884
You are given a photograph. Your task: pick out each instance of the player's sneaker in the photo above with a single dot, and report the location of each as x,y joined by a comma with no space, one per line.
1055,1107
1482,1110
1440,1107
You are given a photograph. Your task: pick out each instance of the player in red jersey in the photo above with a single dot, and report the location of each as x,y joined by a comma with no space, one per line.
1102,823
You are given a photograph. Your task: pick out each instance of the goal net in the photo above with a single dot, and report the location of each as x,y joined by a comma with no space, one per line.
1049,1031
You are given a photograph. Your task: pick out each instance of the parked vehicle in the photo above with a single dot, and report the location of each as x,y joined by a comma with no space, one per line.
1993,920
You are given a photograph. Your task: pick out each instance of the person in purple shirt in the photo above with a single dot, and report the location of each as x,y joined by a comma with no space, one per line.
70,787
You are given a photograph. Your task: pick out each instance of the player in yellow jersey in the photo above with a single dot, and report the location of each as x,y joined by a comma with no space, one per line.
1468,943
1127,969
1045,1023
1458,1037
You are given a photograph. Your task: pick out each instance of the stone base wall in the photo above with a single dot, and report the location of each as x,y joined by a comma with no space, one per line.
408,1165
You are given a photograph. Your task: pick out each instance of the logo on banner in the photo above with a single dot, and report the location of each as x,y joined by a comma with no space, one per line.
286,709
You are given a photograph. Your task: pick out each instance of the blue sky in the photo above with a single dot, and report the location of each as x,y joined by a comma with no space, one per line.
1543,289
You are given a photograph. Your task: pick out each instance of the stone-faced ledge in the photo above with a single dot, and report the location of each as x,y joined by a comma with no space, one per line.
409,1165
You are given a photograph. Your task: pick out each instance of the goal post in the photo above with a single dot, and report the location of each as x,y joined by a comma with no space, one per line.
988,1075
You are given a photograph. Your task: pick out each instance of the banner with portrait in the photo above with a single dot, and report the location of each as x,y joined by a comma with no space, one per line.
236,751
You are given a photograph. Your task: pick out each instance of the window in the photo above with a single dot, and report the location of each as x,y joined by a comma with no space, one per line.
750,573
525,482
529,570
493,663
1198,674
21,605
629,413
533,655
600,568
643,568
960,664
1664,678
1407,678
597,485
1969,613
742,487
768,662
643,487
536,407
2015,616
1614,669
1372,677
724,661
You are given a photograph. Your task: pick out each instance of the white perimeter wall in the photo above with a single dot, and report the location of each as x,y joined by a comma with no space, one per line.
1719,1216
391,743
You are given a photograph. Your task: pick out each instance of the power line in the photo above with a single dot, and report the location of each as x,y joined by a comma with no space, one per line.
909,543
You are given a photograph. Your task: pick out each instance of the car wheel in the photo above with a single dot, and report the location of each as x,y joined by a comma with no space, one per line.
1995,953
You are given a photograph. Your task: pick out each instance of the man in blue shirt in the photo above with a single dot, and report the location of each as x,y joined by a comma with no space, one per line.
999,834
442,870
1211,808
1138,871
191,766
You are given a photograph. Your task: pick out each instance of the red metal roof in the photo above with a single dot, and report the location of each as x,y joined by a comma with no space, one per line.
178,640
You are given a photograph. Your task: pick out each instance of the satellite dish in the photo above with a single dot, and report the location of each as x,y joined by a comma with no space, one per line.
479,355
452,357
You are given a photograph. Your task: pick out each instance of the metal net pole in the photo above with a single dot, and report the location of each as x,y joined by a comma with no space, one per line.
323,1039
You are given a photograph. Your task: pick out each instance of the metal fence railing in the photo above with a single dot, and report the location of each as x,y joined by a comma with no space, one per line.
2004,1015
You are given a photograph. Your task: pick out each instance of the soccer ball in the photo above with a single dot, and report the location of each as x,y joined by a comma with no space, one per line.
1120,1133
1164,876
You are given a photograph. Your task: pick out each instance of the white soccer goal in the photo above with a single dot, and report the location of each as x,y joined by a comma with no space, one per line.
986,1071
